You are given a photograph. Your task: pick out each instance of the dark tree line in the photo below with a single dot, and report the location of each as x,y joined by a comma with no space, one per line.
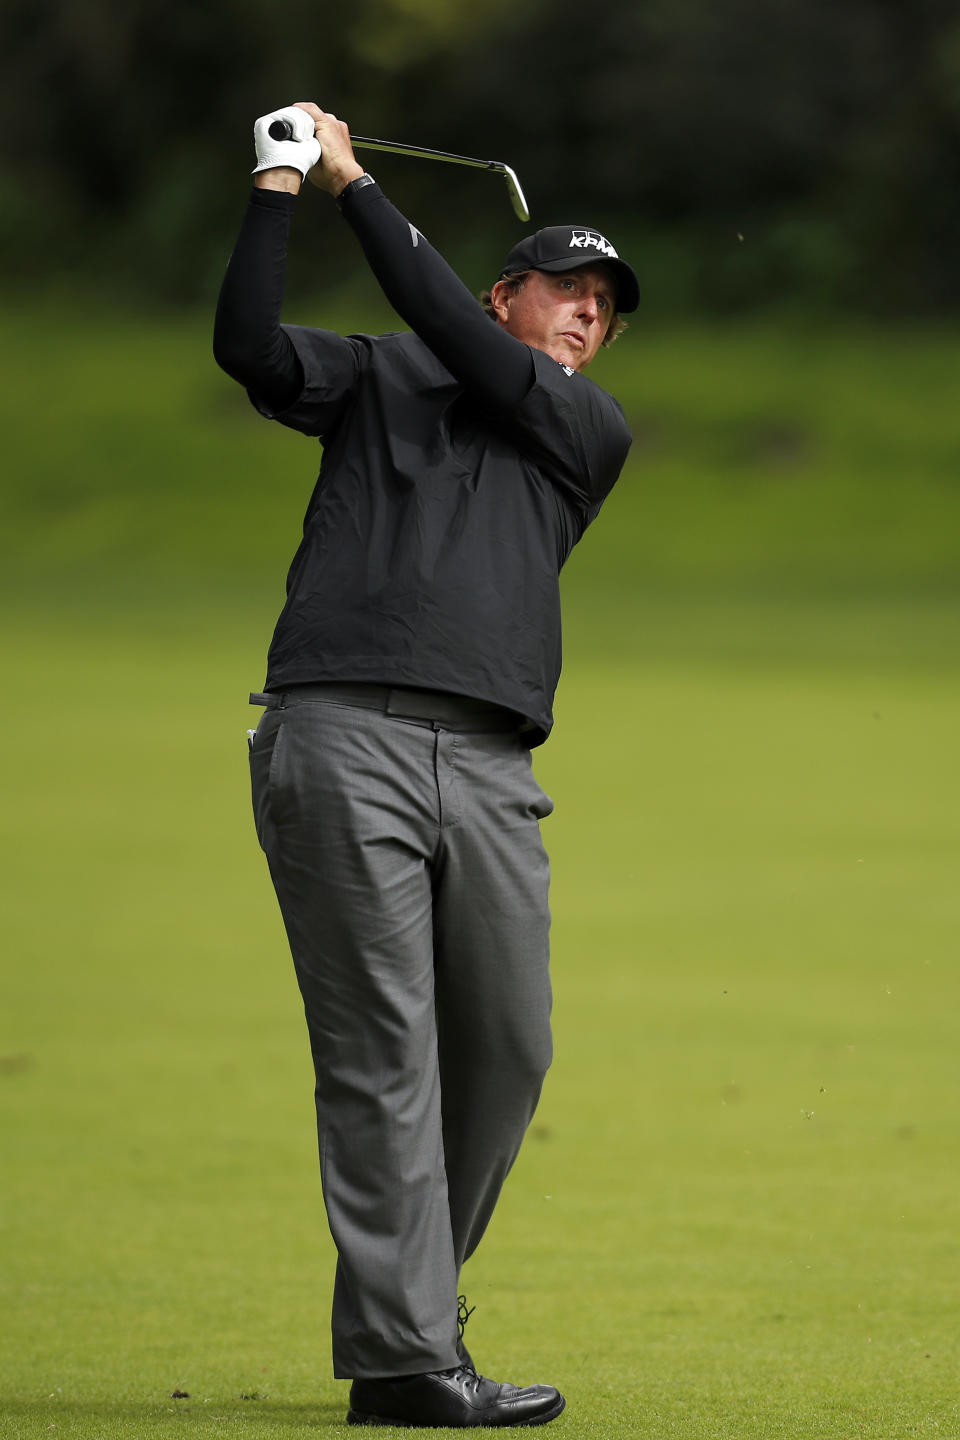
826,133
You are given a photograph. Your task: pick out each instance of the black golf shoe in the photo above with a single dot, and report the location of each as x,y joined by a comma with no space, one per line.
454,1399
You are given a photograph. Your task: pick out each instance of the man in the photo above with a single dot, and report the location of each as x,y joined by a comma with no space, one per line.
411,670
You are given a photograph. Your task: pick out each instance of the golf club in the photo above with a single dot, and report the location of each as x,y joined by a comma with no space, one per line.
283,130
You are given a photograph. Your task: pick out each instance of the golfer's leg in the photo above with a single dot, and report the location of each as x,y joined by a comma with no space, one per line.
492,970
346,807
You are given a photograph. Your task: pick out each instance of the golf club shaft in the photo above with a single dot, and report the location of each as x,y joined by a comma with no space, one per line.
283,130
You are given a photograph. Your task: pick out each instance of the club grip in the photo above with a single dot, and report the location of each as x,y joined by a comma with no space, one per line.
280,130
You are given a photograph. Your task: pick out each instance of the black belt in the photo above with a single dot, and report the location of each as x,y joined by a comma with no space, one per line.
429,707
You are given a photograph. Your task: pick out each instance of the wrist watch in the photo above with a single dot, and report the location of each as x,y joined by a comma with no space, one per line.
354,186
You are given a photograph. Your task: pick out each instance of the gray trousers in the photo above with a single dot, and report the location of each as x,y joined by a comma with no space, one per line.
407,861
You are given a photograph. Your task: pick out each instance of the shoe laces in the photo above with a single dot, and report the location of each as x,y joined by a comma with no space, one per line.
463,1313
467,1376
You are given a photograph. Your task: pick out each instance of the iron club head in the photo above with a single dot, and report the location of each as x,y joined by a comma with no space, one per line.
517,199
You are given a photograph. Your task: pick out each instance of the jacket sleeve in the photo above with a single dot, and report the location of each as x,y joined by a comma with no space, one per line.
435,303
304,378
248,342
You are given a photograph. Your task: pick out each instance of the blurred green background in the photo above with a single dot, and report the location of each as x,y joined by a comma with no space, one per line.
736,1214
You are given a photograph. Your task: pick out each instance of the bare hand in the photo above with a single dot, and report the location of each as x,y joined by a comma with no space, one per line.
338,164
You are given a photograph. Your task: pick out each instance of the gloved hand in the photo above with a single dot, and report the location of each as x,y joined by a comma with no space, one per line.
302,152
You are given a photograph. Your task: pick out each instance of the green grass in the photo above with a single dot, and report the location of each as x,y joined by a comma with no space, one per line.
736,1214
768,461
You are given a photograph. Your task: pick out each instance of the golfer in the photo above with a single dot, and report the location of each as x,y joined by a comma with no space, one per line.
411,671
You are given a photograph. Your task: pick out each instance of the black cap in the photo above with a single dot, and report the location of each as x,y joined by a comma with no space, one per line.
568,247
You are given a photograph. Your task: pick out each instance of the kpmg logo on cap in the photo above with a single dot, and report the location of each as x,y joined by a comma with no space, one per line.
589,240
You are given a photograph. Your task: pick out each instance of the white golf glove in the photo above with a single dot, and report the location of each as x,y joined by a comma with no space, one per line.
302,152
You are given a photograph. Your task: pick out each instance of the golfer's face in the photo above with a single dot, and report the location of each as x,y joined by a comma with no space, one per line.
565,315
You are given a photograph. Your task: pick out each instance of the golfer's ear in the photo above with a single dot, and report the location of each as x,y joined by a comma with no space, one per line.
499,298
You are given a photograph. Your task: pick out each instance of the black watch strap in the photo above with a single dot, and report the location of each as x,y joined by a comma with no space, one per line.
353,187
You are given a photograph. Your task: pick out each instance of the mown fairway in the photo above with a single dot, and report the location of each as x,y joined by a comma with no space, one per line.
736,1214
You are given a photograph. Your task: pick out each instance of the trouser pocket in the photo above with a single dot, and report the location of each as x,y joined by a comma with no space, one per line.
265,750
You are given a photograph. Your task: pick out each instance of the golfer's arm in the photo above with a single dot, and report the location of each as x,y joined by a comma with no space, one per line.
435,303
247,339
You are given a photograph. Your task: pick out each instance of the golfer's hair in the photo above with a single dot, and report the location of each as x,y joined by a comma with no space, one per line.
515,284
